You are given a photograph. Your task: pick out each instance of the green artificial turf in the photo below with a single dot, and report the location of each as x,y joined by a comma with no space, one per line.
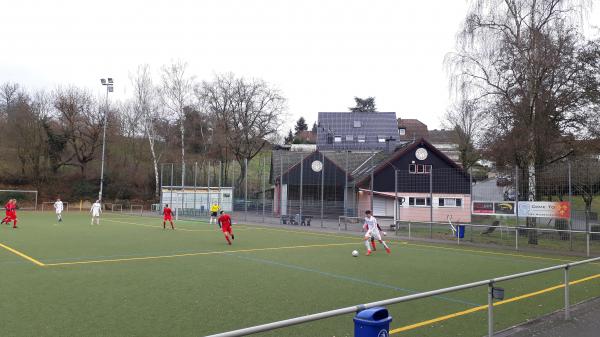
147,281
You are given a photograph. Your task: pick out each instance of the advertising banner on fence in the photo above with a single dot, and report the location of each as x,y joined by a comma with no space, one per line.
494,207
545,209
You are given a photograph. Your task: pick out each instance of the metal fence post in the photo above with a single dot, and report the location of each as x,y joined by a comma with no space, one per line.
431,204
245,188
323,187
301,188
516,238
517,194
396,208
208,186
491,309
567,304
162,183
220,183
264,192
195,184
372,185
570,208
172,172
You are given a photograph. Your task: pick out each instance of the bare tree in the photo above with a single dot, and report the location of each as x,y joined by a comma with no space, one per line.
466,121
145,95
176,94
523,59
81,124
247,112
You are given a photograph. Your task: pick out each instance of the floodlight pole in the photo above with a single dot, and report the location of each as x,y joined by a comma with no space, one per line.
109,87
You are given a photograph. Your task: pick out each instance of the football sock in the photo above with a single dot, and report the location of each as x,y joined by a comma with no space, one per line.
15,224
232,237
172,226
373,245
367,244
384,244
227,238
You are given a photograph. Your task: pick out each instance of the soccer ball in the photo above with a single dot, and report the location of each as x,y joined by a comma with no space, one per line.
355,253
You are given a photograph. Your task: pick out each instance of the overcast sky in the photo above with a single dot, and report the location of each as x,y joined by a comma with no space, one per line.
319,53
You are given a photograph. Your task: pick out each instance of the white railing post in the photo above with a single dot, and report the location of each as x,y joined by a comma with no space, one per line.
567,304
516,238
491,309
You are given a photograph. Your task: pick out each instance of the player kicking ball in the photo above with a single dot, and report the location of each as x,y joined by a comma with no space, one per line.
372,232
95,211
167,216
225,223
58,206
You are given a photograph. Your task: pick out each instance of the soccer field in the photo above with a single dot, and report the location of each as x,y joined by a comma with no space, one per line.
129,277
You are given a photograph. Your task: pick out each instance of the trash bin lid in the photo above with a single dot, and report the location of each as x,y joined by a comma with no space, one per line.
373,314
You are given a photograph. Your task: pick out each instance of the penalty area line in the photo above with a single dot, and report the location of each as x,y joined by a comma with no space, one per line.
23,255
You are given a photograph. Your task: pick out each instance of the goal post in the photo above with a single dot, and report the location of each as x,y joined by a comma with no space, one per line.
49,206
116,208
136,209
26,199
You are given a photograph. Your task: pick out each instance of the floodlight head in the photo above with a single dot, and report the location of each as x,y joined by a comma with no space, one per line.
110,88
110,80
103,81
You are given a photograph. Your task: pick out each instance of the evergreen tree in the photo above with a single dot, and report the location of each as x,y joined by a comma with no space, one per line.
364,105
289,138
300,125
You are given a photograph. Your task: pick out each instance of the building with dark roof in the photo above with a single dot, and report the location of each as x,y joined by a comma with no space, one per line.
357,131
445,141
411,129
422,180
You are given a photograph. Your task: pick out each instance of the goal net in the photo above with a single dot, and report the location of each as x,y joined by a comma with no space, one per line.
26,199
49,206
116,208
136,209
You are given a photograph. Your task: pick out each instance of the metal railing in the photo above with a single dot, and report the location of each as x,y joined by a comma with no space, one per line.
348,310
516,230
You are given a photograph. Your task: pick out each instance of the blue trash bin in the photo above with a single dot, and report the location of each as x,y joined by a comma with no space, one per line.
374,322
460,231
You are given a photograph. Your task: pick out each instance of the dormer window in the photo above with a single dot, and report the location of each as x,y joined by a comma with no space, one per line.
357,124
349,138
361,138
337,139
402,131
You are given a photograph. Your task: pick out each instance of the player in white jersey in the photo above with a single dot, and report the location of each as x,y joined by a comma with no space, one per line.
58,207
372,232
96,210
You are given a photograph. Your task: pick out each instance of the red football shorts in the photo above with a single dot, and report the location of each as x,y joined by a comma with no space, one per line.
167,218
226,228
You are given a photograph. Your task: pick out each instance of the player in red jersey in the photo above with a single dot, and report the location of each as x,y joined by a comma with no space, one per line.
7,207
11,212
225,224
167,216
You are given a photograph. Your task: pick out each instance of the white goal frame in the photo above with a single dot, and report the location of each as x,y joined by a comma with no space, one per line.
51,206
22,191
118,206
136,209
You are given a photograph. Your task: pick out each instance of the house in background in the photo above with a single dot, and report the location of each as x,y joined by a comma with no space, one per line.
357,131
431,186
411,130
445,141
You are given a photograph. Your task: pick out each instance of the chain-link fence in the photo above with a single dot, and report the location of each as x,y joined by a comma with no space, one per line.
554,207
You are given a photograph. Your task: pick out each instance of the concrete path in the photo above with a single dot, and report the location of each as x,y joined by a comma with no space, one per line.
585,322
